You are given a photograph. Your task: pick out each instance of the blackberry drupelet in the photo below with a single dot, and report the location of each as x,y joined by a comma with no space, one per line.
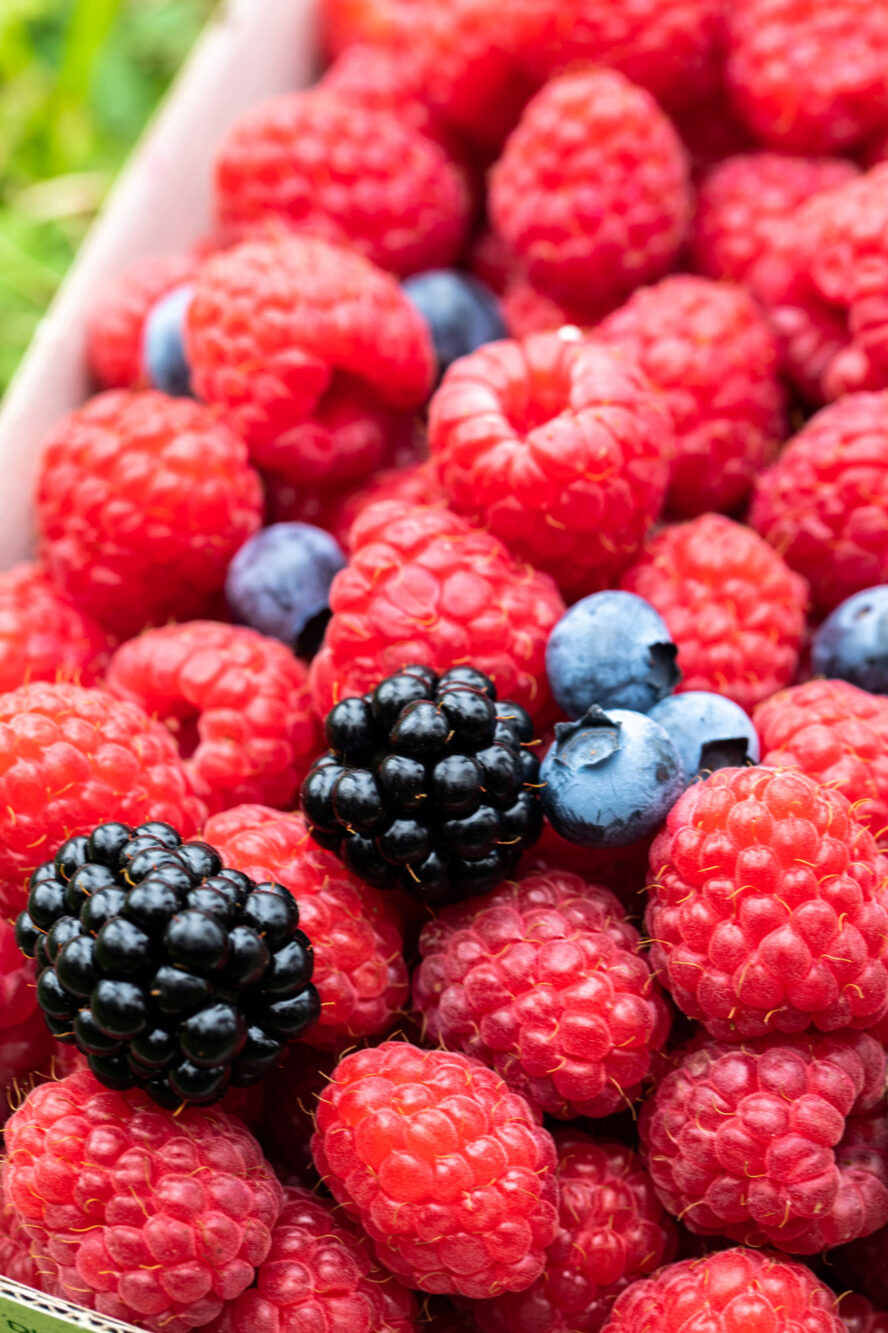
430,784
167,971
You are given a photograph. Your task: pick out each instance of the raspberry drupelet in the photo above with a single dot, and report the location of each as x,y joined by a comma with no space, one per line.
359,967
448,1171
592,191
236,701
708,348
762,1142
424,587
15,1251
860,1316
838,735
116,321
142,500
153,1219
43,635
560,448
544,981
767,907
736,611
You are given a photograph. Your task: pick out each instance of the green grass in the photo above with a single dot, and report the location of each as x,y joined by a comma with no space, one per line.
78,81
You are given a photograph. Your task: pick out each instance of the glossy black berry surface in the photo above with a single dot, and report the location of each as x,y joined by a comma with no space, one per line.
430,784
167,971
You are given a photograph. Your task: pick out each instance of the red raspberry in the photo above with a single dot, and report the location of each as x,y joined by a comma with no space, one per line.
324,163
768,908
709,350
237,702
287,336
809,77
43,636
72,758
15,1252
423,586
319,1275
447,1170
152,1218
142,500
355,930
735,610
417,484
746,203
750,1141
377,77
623,870
544,981
560,448
824,503
734,1291
115,323
860,1316
611,1231
591,192
838,735
18,996
527,311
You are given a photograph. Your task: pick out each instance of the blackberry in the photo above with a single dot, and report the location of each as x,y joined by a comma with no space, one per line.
430,785
169,972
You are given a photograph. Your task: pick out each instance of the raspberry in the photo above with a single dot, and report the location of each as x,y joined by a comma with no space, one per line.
591,192
295,339
746,203
860,1316
447,1170
560,448
153,1219
809,77
359,968
237,702
623,870
735,610
18,997
707,347
378,78
324,163
757,1142
15,1251
28,1053
43,636
424,587
527,311
115,323
416,484
142,500
70,758
319,1274
728,1292
824,503
838,735
544,981
611,1231
768,907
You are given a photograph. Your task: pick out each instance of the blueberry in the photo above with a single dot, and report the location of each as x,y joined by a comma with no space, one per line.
611,649
852,643
708,730
163,343
279,583
610,778
462,314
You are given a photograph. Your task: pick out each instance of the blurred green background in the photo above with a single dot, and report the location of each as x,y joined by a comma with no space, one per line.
78,81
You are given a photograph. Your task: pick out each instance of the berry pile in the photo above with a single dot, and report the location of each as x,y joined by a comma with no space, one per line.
444,717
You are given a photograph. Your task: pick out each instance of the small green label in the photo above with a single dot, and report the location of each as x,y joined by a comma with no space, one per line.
25,1311
16,1317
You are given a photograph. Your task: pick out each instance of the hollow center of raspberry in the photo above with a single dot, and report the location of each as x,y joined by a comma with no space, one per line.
184,728
536,398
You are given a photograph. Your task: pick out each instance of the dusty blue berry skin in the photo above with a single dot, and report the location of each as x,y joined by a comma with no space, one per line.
163,343
610,778
709,732
611,649
852,643
462,314
279,583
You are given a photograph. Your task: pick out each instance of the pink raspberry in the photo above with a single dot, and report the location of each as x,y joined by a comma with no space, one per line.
591,192
558,447
151,1218
611,1231
707,347
757,1142
768,907
116,321
359,967
423,586
544,981
449,1172
733,607
43,636
237,702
